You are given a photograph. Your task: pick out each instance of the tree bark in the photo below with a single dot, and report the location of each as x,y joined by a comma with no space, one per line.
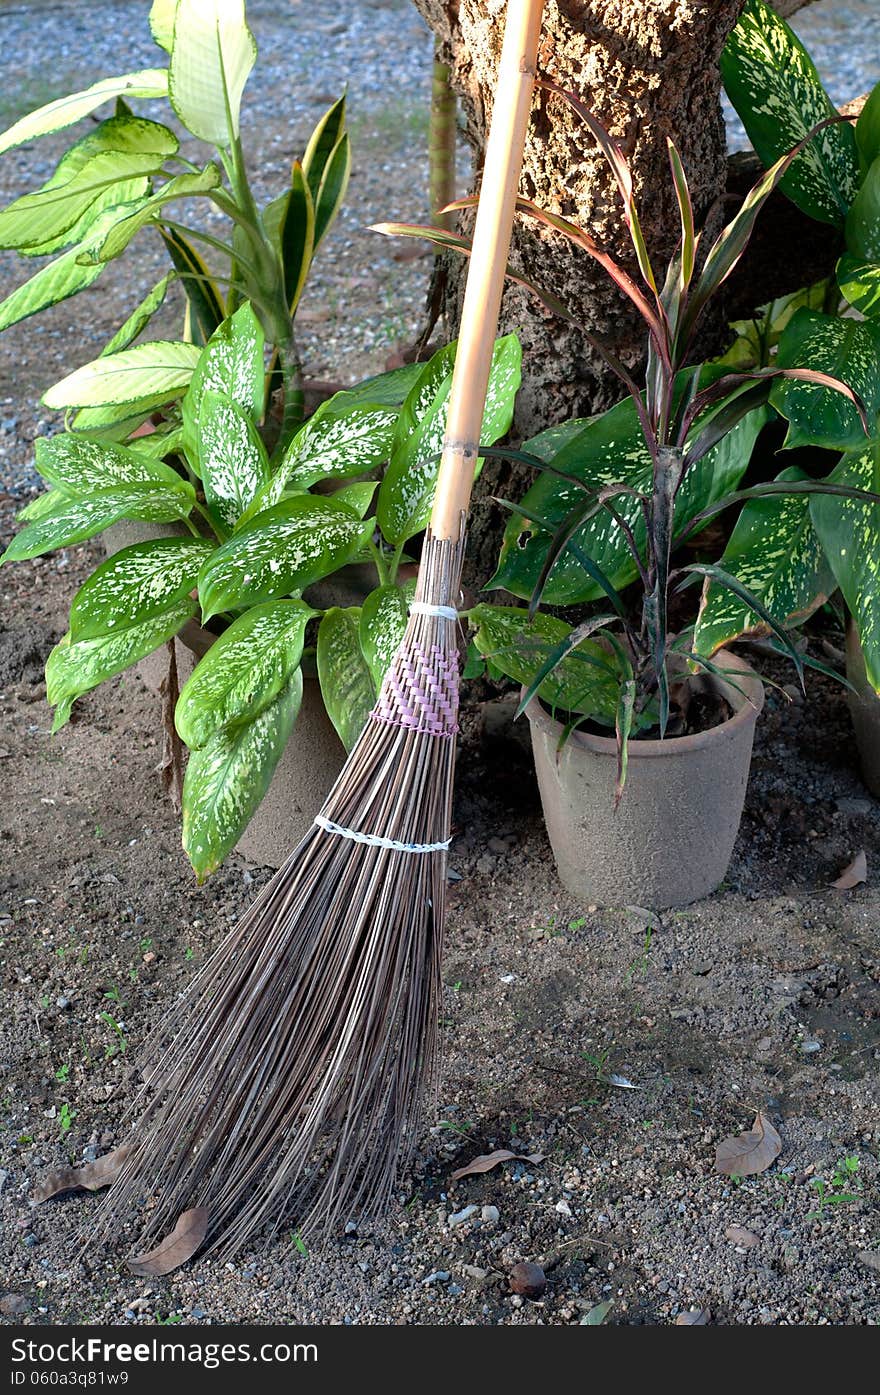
649,70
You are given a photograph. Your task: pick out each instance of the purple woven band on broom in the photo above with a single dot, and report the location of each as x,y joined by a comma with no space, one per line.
289,1083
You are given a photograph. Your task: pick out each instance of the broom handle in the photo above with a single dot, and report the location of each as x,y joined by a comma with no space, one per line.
488,264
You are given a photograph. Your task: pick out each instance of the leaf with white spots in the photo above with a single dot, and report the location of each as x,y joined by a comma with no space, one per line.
858,272
80,465
47,502
243,671
850,533
346,685
859,283
75,520
231,363
407,491
778,94
585,681
331,446
228,776
137,584
775,553
161,369
74,668
848,350
281,552
232,458
384,616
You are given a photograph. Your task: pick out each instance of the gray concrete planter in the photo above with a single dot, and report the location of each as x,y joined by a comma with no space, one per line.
313,757
670,840
864,707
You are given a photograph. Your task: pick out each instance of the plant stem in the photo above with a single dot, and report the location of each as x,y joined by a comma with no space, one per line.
379,560
294,401
441,146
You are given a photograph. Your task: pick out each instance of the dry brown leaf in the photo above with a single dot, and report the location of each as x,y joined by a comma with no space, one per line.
697,1317
186,1237
486,1161
740,1236
854,874
748,1153
90,1177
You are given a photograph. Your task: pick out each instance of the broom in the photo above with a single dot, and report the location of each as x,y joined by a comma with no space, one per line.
288,1083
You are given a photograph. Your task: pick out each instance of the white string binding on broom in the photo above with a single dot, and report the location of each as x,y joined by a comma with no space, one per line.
375,841
447,612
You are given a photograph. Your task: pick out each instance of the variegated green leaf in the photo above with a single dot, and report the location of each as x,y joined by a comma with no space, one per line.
233,463
212,54
334,183
289,222
848,350
161,369
162,22
322,142
116,422
75,520
407,491
384,390
158,444
137,584
331,446
231,364
180,187
859,283
206,304
64,111
139,318
774,86
74,668
281,552
228,776
81,466
47,502
585,681
863,219
357,497
384,616
868,128
776,555
35,218
346,685
243,671
850,533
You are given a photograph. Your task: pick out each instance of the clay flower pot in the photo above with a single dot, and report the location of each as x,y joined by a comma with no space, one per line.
864,708
670,839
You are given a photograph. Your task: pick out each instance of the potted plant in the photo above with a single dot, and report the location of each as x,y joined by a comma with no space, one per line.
254,546
831,539
642,742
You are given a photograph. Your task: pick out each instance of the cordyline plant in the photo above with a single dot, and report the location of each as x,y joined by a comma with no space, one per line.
683,416
127,174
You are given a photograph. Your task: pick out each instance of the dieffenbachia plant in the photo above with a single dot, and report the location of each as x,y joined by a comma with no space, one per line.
127,173
619,493
354,484
792,551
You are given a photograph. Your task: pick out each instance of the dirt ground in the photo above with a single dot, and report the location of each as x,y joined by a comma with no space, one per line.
762,997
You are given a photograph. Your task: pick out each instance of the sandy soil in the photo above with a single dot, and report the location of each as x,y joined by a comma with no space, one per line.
763,997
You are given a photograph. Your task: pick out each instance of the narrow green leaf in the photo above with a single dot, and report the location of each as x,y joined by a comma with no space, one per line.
139,318
64,111
868,128
207,309
74,668
322,142
180,187
290,225
137,584
243,671
228,776
212,54
850,533
283,550
334,183
45,503
346,685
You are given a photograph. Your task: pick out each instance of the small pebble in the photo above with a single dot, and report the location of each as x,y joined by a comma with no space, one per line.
459,1217
490,1214
809,1047
439,1276
528,1279
62,1002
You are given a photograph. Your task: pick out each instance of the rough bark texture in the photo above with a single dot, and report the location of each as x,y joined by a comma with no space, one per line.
649,69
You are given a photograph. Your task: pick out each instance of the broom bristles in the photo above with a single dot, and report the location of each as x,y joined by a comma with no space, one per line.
288,1084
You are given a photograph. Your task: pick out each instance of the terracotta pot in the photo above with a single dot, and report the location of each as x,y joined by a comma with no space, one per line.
314,754
670,840
864,708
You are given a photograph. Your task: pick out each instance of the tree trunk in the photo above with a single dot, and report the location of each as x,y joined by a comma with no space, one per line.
649,69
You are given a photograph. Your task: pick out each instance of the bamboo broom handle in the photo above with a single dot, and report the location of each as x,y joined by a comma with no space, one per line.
488,263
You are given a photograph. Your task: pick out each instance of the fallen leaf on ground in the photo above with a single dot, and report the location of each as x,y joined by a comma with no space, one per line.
748,1153
853,874
740,1236
486,1161
89,1177
697,1317
596,1316
186,1237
